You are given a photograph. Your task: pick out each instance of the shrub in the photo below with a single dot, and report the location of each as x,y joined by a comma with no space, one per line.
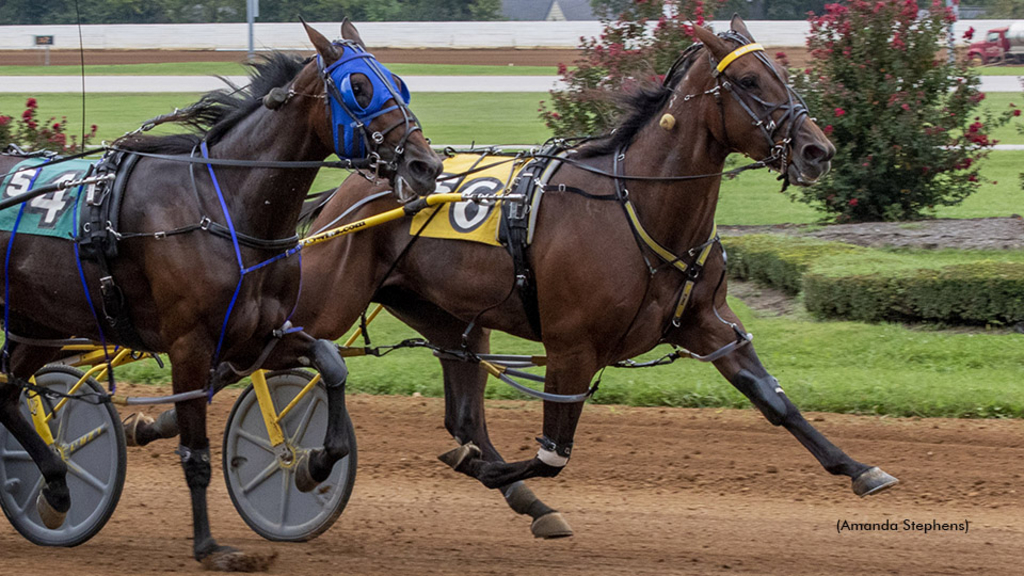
904,119
779,261
31,134
983,292
640,44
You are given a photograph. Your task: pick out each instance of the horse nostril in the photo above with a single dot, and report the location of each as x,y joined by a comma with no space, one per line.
816,154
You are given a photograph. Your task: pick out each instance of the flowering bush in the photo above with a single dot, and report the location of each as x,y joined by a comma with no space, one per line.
31,134
640,44
904,120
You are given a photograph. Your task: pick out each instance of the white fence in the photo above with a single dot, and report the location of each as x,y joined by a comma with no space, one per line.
290,36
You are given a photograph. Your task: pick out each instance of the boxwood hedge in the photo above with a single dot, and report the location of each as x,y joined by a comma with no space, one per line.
843,281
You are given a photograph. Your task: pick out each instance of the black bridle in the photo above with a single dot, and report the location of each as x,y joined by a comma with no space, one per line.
777,132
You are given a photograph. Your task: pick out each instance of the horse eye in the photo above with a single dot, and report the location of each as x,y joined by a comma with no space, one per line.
749,82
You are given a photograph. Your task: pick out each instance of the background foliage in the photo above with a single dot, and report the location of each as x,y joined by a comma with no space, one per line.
625,54
906,122
184,11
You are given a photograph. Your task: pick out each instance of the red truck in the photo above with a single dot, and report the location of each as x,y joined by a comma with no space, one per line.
999,46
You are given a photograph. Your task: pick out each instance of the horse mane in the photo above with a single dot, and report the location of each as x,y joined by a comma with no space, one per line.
219,111
639,106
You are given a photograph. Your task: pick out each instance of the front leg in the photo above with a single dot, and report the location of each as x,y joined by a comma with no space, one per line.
743,369
190,370
567,374
315,466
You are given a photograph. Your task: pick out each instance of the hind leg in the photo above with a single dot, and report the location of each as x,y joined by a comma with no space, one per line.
464,415
744,370
55,500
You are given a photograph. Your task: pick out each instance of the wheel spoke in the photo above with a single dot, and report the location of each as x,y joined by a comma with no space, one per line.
86,476
84,439
32,495
15,455
307,417
261,477
63,419
254,439
286,490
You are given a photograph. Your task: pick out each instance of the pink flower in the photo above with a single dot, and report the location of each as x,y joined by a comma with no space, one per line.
31,103
840,112
853,202
1016,112
828,130
969,34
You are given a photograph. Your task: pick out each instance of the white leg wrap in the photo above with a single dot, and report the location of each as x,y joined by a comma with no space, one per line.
551,459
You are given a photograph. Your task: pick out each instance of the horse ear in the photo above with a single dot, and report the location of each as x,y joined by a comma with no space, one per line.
719,49
737,25
323,46
349,32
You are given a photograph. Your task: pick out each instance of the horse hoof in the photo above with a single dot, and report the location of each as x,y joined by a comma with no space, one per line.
551,525
303,477
131,426
873,481
455,458
51,518
227,559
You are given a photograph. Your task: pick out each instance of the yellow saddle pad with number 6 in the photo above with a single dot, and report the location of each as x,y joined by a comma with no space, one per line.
469,220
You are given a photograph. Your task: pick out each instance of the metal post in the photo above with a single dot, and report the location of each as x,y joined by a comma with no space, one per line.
952,35
252,12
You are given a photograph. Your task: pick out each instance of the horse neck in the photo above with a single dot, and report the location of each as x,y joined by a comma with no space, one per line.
265,202
679,214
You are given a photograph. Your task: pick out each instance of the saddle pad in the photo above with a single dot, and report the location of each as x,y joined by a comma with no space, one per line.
469,220
50,214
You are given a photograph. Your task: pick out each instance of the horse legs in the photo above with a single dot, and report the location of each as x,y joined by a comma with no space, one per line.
315,466
744,370
566,374
464,415
54,499
189,370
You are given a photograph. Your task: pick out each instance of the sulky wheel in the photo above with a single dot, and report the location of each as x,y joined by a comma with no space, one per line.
90,438
261,481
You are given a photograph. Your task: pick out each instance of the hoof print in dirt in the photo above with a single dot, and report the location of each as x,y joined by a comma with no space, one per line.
231,560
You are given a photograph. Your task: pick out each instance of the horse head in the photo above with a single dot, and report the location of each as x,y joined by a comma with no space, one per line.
367,112
757,113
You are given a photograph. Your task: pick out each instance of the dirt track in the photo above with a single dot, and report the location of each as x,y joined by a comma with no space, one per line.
649,491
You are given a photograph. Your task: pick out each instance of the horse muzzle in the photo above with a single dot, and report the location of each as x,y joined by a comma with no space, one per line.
416,174
810,162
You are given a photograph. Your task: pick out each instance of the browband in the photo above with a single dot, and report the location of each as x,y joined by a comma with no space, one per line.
745,49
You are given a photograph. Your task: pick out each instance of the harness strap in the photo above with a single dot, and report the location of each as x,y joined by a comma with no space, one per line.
732,56
693,273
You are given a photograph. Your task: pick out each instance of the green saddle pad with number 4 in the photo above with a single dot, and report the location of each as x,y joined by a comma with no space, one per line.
51,214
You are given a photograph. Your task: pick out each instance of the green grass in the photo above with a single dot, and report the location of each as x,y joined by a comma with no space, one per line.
236,69
998,102
845,367
1000,70
461,118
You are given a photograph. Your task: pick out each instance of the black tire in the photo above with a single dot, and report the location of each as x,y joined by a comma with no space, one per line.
301,516
96,470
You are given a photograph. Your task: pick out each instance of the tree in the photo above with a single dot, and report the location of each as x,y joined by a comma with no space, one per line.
906,122
639,45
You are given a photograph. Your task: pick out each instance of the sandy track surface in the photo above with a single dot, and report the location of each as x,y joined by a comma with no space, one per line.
649,491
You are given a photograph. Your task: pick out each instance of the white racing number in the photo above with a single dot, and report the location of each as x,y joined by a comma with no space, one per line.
50,206
467,216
